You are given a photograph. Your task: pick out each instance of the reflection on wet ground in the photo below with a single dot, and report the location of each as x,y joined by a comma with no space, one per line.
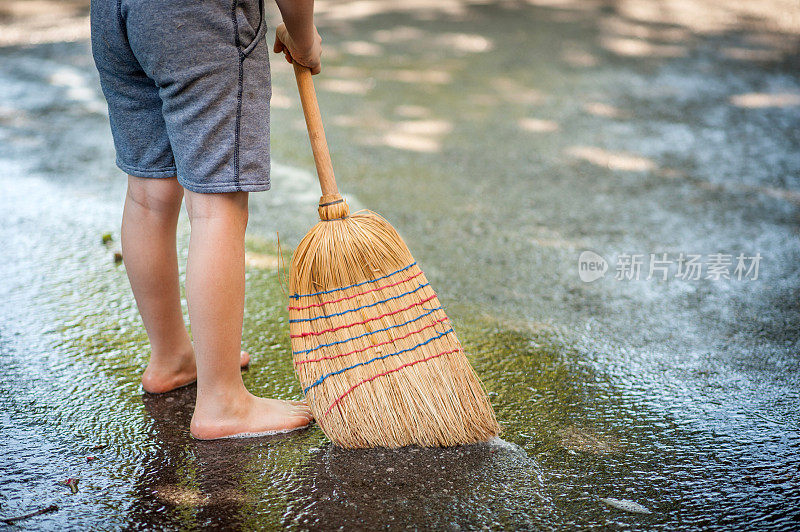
502,140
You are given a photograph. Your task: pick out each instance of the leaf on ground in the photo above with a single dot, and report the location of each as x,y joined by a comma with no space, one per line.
72,482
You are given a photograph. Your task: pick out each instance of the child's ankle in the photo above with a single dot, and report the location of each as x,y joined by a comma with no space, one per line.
222,400
171,355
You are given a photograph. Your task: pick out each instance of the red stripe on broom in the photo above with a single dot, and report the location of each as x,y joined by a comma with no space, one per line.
356,295
369,379
317,333
371,345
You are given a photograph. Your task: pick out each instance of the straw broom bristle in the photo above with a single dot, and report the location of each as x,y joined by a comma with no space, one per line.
379,362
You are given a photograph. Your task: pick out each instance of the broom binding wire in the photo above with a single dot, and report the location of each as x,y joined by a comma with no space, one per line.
377,357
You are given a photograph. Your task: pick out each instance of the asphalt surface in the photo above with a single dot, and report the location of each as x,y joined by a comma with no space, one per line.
503,140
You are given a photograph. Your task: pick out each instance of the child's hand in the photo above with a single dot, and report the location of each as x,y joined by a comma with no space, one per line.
306,54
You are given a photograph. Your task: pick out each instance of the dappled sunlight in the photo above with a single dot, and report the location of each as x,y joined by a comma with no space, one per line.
346,86
760,100
605,110
76,29
330,53
639,48
362,48
412,111
612,160
79,88
364,120
364,75
536,125
663,28
513,91
622,27
360,9
43,21
424,136
424,127
771,41
410,142
347,72
578,57
454,42
76,84
398,34
345,121
281,101
432,77
750,54
417,135
463,42
710,16
578,5
261,261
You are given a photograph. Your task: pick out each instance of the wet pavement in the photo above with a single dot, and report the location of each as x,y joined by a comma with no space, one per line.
502,140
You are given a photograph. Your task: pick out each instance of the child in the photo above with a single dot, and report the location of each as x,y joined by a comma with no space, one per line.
188,87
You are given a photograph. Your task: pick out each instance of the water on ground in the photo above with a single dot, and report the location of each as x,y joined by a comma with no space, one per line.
502,140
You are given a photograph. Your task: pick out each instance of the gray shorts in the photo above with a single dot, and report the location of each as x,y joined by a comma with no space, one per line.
188,88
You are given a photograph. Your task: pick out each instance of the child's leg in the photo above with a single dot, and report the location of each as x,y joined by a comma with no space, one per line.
149,221
148,246
215,290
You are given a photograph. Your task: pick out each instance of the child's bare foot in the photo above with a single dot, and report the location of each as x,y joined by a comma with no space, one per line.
248,416
175,372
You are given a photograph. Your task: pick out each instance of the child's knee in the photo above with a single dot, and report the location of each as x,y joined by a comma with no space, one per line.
227,205
157,195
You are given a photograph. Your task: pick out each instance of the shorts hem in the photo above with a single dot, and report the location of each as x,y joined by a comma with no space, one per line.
218,188
143,172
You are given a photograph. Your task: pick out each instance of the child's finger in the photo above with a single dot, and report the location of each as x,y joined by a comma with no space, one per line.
278,46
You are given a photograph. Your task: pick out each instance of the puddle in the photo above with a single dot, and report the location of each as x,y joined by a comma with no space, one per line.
679,397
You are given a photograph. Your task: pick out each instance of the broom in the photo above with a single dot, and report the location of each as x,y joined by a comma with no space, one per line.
378,360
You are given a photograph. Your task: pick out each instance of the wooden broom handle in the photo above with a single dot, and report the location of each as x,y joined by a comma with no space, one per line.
316,134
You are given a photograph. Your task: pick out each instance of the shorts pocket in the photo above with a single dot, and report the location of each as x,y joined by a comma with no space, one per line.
250,24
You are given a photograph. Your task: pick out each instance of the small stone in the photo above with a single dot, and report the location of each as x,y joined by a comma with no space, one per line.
390,470
117,257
